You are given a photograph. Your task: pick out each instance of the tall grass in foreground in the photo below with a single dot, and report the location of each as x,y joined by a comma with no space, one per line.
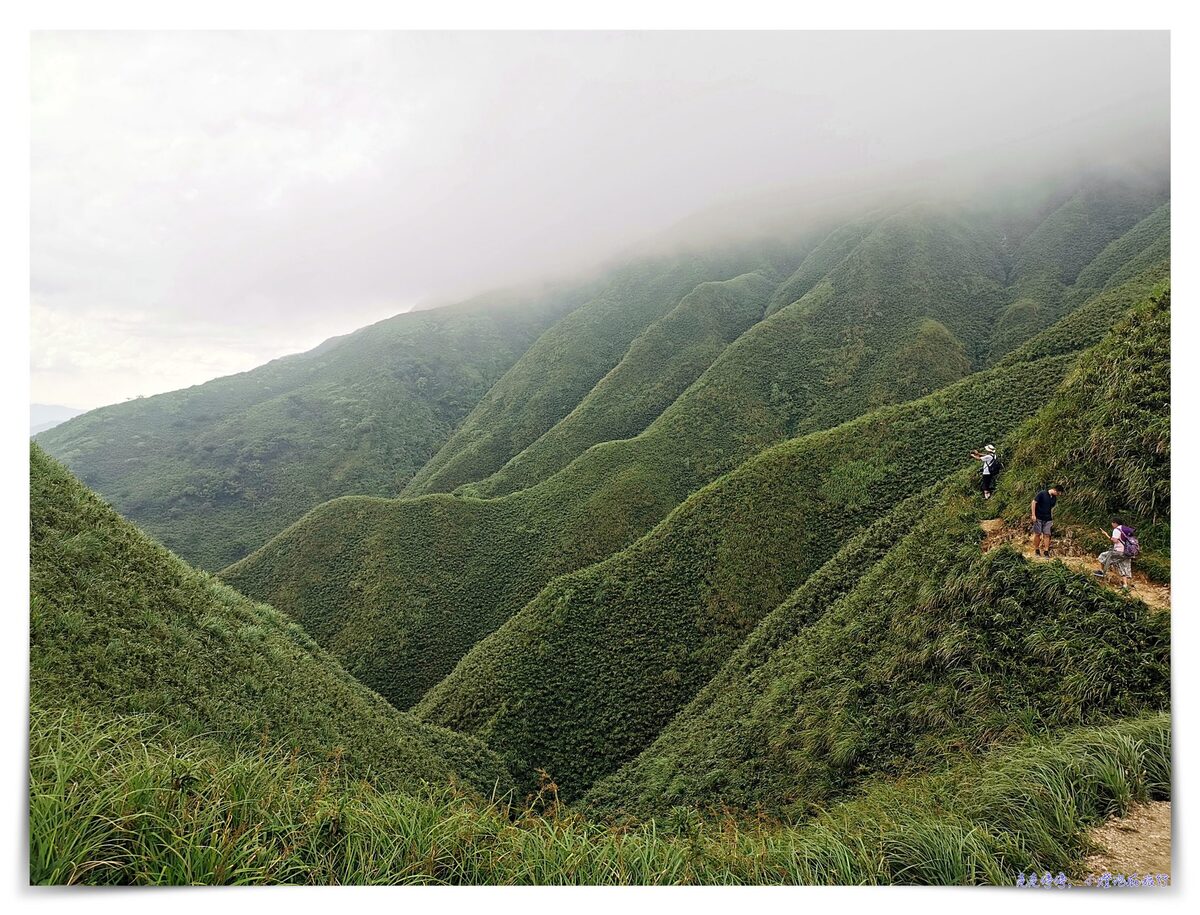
122,802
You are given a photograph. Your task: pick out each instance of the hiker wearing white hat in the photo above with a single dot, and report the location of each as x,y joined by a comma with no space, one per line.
990,469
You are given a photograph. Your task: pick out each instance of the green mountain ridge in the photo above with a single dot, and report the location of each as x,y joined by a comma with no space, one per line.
990,654
100,813
675,574
1073,250
400,590
587,674
911,642
660,365
569,360
217,469
119,626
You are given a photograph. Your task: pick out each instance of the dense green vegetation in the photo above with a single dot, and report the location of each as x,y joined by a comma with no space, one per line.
1088,324
215,470
400,590
1107,434
658,367
575,354
886,308
937,648
1100,229
835,248
118,804
1106,439
686,583
891,657
120,626
590,671
431,400
1146,244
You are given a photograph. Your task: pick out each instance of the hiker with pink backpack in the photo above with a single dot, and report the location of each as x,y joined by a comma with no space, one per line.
1124,549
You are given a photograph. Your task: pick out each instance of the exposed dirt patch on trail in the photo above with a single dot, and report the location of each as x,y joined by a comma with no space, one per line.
1068,551
1137,843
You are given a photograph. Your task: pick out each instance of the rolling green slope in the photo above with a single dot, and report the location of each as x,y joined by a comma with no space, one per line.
399,590
911,644
1106,440
934,650
1073,253
588,673
1088,324
119,626
905,359
711,549
215,470
1147,243
557,372
833,250
659,366
435,399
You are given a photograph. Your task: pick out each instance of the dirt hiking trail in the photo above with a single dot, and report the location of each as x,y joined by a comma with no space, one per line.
1137,843
1067,551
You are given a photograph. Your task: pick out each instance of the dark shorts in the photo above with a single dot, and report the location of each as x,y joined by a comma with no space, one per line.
989,482
1042,527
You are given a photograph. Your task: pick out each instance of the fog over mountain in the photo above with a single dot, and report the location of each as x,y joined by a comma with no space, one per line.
204,202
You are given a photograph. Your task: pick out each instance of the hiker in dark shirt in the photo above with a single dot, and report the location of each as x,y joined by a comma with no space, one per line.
1040,511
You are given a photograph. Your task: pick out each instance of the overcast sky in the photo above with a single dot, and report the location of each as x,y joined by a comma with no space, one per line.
204,202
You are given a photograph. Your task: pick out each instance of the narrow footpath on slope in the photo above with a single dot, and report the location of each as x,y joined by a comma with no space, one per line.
1067,551
1137,843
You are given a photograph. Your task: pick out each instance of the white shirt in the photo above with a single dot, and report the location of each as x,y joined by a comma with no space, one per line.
1118,541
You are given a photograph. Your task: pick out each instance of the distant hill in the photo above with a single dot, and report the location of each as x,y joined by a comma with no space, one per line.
677,574
216,470
46,416
588,673
581,351
911,643
120,627
892,308
501,391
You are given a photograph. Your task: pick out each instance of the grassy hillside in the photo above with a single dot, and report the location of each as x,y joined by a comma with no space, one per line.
911,644
120,626
832,251
954,258
589,672
697,592
659,366
568,360
1088,324
1147,243
435,399
215,470
907,304
108,805
1103,227
399,590
1107,439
